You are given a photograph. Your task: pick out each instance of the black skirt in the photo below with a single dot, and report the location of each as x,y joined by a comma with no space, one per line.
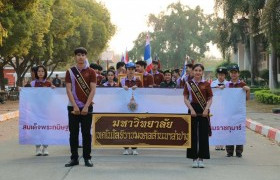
199,135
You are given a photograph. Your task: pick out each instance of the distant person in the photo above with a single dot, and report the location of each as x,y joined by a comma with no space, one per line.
56,81
2,100
188,75
110,76
120,69
148,80
176,77
158,76
98,69
33,71
167,83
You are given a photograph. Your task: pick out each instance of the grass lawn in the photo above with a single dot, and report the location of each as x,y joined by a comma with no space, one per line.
254,106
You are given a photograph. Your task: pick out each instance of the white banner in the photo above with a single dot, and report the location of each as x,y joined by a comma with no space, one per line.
44,119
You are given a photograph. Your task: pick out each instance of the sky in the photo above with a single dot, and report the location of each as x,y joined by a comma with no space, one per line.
130,17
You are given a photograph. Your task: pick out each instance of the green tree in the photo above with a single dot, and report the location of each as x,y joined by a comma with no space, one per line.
18,41
177,32
95,28
47,31
11,11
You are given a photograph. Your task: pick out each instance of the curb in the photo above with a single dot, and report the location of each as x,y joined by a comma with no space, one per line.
267,131
10,115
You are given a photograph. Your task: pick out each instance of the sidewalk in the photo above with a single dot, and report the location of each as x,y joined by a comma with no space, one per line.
265,123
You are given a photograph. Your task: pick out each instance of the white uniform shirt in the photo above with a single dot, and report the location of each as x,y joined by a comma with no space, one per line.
216,82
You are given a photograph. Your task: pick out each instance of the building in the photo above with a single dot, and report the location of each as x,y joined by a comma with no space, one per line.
9,75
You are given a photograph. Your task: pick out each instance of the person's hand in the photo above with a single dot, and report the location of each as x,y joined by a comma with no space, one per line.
134,87
125,88
246,88
205,113
52,86
84,111
221,87
193,113
76,110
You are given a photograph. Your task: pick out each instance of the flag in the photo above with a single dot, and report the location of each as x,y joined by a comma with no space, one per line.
147,54
184,69
122,58
157,59
126,59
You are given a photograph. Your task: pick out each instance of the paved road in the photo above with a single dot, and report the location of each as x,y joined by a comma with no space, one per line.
261,160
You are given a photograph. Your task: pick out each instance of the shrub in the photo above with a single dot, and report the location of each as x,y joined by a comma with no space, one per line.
267,97
254,89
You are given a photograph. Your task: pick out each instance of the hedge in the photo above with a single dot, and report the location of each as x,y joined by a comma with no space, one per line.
254,89
267,97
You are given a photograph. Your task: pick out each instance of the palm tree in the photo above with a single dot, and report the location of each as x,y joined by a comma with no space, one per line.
270,25
249,9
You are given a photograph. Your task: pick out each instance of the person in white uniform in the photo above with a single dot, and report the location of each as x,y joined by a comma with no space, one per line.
220,83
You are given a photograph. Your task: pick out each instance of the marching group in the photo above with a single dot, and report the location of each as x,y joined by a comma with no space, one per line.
82,79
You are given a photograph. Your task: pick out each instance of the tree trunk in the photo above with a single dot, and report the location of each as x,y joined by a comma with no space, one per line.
247,57
253,59
274,74
2,85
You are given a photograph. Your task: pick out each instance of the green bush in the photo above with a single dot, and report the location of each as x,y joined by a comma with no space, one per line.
267,97
254,89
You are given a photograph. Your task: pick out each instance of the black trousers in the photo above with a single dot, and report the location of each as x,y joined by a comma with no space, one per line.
200,136
238,149
74,127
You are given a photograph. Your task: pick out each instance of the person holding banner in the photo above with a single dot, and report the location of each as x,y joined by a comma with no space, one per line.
110,76
80,87
236,83
41,74
130,82
198,98
221,84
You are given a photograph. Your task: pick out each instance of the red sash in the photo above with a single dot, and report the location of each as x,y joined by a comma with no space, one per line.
80,81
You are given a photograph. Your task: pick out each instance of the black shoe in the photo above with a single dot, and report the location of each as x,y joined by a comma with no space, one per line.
73,162
88,163
229,155
238,155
